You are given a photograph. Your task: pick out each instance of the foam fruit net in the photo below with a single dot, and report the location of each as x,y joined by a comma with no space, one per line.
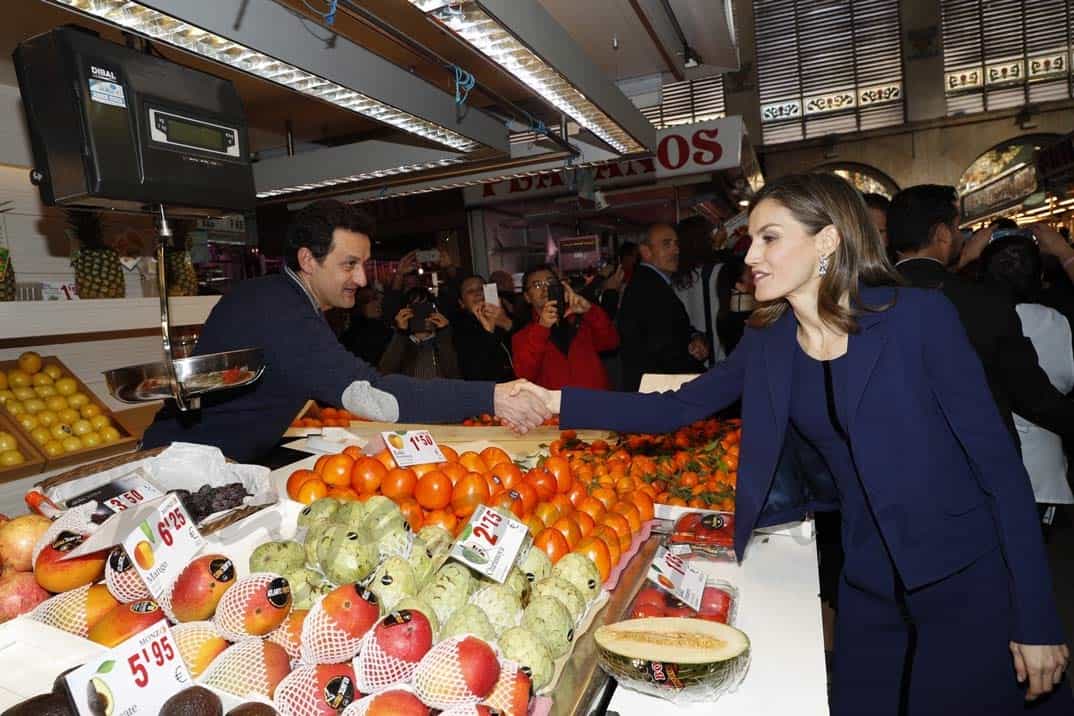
375,670
241,670
500,698
127,585
289,634
438,680
299,694
190,637
66,611
231,610
361,706
468,710
323,641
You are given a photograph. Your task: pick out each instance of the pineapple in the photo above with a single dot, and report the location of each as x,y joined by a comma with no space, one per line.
98,273
7,276
182,280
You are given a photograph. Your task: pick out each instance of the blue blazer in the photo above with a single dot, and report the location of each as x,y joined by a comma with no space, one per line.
941,472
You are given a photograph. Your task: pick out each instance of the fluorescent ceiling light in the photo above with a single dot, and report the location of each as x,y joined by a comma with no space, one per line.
364,176
470,22
165,28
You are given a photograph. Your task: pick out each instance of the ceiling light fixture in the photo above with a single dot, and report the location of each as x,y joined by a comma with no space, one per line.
473,24
365,176
151,23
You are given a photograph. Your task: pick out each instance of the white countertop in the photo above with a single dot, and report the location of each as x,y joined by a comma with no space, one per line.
779,609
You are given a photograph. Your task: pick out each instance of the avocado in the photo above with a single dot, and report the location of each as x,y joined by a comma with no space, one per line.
195,701
99,697
42,705
252,709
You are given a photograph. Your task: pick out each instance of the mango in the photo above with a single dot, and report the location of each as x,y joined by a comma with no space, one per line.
57,576
99,601
200,587
124,621
198,644
254,607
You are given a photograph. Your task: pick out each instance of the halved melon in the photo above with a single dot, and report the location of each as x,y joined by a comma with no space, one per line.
673,653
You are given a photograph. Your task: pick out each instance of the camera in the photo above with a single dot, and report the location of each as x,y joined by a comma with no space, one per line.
428,256
1000,234
557,294
419,321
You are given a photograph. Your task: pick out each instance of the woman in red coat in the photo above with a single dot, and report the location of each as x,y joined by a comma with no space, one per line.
556,353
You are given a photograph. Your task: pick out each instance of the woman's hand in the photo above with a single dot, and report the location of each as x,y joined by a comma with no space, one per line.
1042,665
549,316
407,265
402,319
497,315
483,317
971,251
438,320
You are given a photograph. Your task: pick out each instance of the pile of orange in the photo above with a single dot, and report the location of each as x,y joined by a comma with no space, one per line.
562,513
328,418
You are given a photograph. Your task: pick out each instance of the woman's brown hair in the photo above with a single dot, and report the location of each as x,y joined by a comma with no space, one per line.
818,200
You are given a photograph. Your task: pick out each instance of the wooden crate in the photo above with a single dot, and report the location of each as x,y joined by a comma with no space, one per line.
125,443
35,461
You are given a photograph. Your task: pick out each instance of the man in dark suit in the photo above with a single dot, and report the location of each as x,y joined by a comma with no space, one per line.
923,231
654,330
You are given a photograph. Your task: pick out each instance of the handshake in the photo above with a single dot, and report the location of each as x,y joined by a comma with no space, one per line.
524,405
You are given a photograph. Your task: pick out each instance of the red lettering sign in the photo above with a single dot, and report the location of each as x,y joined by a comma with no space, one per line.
681,149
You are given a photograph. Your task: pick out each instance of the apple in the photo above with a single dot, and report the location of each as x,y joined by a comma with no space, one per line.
19,593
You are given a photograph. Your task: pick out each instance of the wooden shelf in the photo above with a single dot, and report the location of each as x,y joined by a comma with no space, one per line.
33,319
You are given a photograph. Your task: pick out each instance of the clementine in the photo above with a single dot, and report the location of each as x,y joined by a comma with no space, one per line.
337,470
296,480
367,474
399,483
312,490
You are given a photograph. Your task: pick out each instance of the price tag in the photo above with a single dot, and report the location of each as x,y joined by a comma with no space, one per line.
414,447
163,544
136,677
676,576
490,543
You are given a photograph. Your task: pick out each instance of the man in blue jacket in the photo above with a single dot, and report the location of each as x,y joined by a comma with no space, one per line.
328,245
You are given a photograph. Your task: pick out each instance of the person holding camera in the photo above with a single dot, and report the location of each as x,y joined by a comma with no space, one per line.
422,346
482,335
561,344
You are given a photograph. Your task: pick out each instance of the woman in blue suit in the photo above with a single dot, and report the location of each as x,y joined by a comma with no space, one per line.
946,602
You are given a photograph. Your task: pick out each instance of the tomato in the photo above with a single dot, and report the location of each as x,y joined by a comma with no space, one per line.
552,543
449,453
412,513
296,480
547,512
472,462
622,528
386,459
585,522
651,596
505,475
425,468
468,493
592,507
534,524
504,499
527,494
628,510
319,467
367,474
399,483
454,471
561,470
342,493
596,552
354,452
569,529
442,518
577,494
312,490
543,482
611,540
647,610
337,470
493,456
563,503
716,603
433,491
606,496
644,503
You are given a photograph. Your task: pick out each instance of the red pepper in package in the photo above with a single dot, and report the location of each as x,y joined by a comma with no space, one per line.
713,529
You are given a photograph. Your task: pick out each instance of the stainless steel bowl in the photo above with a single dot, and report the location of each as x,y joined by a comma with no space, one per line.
197,375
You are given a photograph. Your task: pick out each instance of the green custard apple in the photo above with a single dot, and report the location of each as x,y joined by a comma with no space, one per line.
564,591
580,571
347,556
535,565
392,581
277,557
523,646
318,511
500,604
551,622
469,619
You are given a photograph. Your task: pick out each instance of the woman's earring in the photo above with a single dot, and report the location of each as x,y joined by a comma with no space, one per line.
822,267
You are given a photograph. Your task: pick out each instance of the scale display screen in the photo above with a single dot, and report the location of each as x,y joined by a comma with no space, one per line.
184,133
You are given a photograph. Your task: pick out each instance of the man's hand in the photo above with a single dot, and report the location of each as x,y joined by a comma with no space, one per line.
407,265
402,319
549,316
550,398
698,348
973,248
1051,242
521,410
438,320
1042,665
575,303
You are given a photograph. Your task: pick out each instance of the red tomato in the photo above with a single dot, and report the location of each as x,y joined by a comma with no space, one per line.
527,493
543,482
507,501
